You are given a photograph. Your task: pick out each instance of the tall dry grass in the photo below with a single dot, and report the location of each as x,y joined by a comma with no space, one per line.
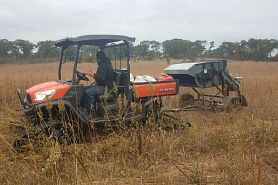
240,147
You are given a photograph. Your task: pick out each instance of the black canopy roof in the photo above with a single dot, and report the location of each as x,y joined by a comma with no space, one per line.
96,40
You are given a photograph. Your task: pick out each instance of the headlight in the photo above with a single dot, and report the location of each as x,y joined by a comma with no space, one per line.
44,95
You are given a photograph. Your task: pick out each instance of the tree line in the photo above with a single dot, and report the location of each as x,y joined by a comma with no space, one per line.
252,49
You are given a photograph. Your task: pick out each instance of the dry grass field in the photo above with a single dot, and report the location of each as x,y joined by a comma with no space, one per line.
239,147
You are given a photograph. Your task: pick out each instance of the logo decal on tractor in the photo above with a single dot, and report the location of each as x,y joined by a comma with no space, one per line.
167,89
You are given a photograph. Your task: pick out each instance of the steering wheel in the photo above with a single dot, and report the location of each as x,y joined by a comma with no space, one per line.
81,76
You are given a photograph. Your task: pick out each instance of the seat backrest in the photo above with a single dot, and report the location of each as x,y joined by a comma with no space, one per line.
117,77
122,80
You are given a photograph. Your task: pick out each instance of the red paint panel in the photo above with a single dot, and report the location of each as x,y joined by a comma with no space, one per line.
155,89
61,90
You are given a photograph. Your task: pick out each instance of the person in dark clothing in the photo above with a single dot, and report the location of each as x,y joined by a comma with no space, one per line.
103,78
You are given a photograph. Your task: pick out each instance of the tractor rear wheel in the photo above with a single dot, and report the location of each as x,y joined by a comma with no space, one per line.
153,112
186,100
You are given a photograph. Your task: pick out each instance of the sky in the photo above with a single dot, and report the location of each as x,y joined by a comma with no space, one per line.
160,20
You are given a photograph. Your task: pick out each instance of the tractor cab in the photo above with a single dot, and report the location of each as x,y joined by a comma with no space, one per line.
116,48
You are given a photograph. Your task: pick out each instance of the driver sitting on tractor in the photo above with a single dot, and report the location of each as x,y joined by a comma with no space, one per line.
103,78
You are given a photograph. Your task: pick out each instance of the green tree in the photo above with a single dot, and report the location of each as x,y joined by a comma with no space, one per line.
141,50
260,49
197,48
70,53
179,48
174,48
5,47
47,49
147,49
23,48
226,50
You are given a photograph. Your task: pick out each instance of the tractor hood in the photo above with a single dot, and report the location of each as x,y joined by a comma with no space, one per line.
47,91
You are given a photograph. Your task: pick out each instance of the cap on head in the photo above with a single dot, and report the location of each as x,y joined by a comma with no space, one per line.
100,55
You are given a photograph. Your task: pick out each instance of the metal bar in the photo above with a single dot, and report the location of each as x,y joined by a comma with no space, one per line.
223,86
179,109
75,64
194,89
60,64
120,57
115,59
220,90
128,95
209,95
180,121
203,100
114,118
199,95
217,94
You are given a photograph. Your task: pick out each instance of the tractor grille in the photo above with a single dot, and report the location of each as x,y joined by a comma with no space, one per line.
52,113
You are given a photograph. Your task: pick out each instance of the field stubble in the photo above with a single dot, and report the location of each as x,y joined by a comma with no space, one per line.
240,147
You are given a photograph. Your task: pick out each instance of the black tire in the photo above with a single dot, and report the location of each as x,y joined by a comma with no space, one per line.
21,141
69,133
186,100
243,101
234,102
63,133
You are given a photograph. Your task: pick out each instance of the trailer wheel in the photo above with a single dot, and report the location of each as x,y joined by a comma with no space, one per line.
233,102
154,112
243,101
186,100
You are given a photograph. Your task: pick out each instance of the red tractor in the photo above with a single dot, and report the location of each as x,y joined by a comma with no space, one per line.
50,105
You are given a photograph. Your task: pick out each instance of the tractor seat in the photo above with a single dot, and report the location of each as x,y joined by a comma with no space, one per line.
117,78
112,95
